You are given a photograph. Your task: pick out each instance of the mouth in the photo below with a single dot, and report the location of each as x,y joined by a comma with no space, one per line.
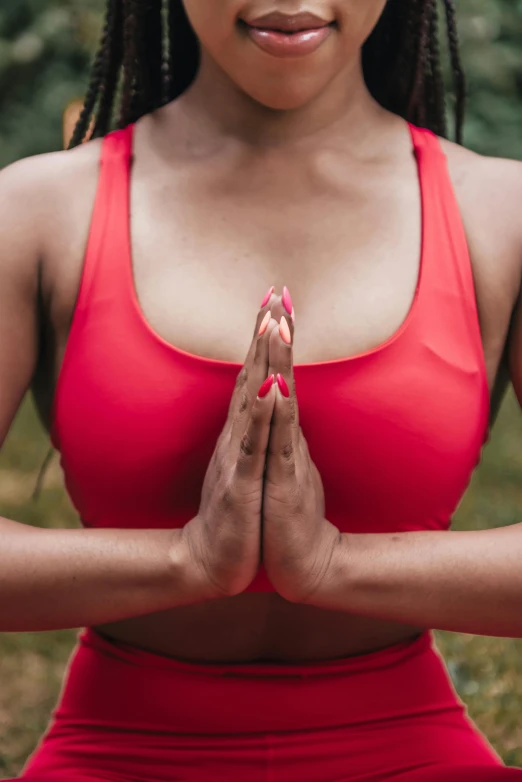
282,35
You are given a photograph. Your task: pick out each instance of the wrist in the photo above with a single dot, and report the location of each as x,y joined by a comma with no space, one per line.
339,579
187,577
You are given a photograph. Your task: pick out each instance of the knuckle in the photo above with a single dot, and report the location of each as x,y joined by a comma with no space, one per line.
243,404
241,378
287,461
246,446
287,452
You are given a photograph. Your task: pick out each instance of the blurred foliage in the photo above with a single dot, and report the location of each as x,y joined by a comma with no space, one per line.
491,32
45,52
46,46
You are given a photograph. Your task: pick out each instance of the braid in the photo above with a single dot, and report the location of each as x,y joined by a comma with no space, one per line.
100,70
411,83
436,97
149,46
143,68
458,72
112,58
417,108
183,50
130,35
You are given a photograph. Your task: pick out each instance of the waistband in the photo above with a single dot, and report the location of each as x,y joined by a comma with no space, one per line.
117,686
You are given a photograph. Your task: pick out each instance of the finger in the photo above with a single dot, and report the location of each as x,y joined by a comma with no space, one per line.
288,304
285,455
255,368
281,344
253,444
276,307
257,363
260,324
251,378
280,361
305,461
283,448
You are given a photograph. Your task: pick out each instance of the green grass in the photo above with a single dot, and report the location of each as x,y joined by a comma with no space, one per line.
487,671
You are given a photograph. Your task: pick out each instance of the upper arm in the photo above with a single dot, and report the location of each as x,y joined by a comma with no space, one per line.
489,193
19,258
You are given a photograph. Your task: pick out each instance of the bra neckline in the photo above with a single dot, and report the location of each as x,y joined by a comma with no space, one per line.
236,366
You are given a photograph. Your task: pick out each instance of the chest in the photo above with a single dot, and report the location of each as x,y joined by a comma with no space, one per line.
128,389
207,243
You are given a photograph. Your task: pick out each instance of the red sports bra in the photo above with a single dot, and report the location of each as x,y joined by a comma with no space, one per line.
395,432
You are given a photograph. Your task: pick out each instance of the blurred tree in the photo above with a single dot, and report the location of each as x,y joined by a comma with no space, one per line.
45,49
491,32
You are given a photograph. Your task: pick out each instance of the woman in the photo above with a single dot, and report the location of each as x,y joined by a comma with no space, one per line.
253,614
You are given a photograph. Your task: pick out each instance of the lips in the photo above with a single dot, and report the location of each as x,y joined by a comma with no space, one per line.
281,35
284,23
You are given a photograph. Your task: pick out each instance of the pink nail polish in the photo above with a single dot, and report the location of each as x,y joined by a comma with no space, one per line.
283,386
264,323
287,300
265,388
293,315
267,297
284,330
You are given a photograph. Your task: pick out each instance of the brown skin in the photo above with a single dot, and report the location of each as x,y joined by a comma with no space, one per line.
224,538
302,181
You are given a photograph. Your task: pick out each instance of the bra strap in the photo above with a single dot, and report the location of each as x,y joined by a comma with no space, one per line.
449,282
108,246
445,235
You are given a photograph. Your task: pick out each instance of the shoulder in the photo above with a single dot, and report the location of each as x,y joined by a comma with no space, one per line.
489,191
487,183
35,190
489,194
49,175
43,200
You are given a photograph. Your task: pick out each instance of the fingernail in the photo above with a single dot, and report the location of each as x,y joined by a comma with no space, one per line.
267,297
264,323
287,300
265,388
284,330
283,386
293,315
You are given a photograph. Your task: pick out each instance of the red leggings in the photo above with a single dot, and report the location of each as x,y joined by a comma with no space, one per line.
131,716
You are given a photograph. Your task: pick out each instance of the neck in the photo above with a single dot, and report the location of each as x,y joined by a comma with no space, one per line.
215,106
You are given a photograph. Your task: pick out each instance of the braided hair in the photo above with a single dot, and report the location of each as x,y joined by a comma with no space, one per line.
149,54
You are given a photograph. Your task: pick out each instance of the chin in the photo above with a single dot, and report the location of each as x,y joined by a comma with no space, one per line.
283,97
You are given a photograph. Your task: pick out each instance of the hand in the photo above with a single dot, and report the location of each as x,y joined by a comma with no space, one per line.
298,542
224,539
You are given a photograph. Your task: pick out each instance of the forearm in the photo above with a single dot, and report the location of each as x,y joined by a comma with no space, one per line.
57,579
469,582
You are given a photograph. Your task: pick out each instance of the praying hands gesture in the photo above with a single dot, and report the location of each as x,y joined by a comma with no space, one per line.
298,542
263,496
263,501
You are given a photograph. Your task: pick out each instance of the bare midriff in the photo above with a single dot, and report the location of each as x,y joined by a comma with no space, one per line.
256,627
